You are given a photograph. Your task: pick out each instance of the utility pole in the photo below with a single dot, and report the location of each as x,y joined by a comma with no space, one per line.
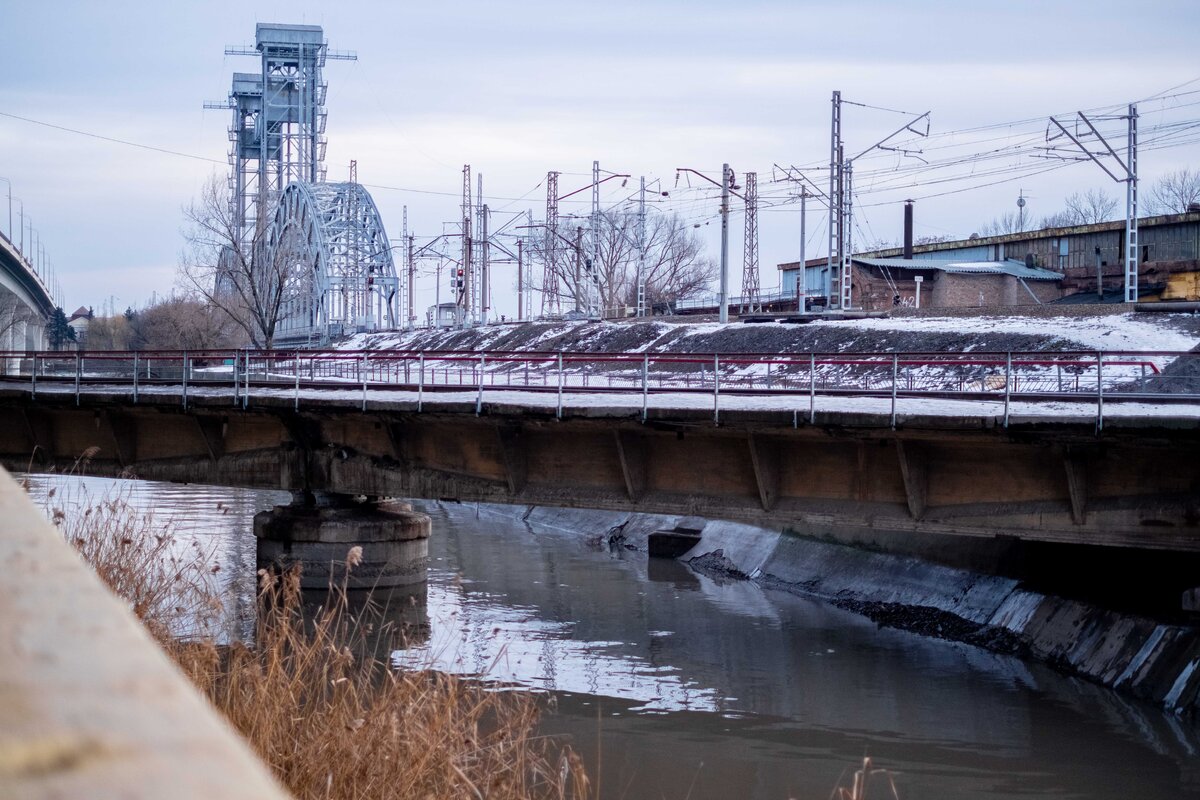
726,177
726,185
836,157
641,269
578,265
1131,201
1129,177
750,285
461,289
520,280
485,277
846,284
802,278
405,256
550,302
412,316
529,274
478,314
592,297
840,185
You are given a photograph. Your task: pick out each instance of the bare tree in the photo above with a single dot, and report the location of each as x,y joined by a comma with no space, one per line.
12,313
1009,222
230,270
110,333
183,323
1093,206
935,238
1174,192
675,264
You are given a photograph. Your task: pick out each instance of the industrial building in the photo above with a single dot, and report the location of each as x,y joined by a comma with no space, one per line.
1027,268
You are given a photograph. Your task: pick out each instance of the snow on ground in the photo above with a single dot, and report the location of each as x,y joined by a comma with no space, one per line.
1108,332
1129,331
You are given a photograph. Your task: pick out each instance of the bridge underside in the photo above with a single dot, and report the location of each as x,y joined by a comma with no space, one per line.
849,477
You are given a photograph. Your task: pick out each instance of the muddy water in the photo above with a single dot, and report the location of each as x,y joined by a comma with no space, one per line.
676,684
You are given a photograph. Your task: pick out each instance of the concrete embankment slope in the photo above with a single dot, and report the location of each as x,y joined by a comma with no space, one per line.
1044,328
1149,659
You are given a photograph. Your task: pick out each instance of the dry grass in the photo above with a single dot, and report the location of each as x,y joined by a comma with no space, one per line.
855,786
313,697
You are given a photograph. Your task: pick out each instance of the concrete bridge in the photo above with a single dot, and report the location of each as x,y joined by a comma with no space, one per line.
894,477
25,304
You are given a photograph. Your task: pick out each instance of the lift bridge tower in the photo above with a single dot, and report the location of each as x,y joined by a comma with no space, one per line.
329,234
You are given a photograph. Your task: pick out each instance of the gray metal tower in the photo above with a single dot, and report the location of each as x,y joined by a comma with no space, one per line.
550,301
278,128
750,285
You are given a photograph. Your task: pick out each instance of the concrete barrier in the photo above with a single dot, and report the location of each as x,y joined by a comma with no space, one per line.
90,706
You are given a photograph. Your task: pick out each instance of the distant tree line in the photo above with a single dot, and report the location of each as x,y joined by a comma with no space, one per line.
177,323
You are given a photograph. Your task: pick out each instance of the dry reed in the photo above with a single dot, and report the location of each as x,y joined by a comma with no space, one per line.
313,696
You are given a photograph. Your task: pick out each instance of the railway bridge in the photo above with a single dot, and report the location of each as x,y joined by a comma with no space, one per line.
897,451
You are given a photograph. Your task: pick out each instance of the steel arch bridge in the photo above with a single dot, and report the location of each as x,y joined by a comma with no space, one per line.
329,241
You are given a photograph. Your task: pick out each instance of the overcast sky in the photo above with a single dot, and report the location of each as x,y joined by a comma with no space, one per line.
519,88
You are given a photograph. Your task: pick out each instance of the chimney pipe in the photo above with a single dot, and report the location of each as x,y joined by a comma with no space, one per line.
908,212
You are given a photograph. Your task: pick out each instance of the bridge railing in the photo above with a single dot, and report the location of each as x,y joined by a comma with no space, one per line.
1046,378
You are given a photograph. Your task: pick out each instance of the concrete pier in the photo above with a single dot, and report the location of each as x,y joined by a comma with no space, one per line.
318,533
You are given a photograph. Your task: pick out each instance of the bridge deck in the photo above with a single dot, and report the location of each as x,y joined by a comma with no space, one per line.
885,469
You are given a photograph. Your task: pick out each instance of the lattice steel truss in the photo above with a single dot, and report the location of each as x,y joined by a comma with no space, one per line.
751,303
330,242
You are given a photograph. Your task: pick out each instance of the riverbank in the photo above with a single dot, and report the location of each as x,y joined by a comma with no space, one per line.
1148,658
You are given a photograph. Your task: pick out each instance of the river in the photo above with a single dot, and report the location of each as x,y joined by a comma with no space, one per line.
676,684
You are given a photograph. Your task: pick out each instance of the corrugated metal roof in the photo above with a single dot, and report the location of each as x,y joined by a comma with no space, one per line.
1015,268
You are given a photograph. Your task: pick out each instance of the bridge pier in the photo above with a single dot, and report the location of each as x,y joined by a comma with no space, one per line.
317,531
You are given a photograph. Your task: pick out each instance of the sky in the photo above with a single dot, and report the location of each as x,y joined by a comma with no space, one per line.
520,88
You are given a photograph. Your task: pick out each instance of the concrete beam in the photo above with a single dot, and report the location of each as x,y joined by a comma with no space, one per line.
90,706
516,458
632,453
1076,484
764,458
914,469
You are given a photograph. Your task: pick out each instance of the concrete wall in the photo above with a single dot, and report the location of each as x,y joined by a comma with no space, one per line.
90,706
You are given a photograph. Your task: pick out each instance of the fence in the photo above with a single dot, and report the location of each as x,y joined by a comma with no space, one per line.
1090,377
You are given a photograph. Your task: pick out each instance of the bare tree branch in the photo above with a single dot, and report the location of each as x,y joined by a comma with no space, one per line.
228,269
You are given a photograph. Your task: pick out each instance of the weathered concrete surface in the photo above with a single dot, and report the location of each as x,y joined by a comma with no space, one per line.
848,477
394,542
89,704
1151,660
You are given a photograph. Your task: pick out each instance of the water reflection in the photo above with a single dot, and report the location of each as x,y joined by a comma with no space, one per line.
678,684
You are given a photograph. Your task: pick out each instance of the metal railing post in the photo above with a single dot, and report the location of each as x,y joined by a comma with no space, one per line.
645,385
296,370
558,412
716,389
895,376
78,374
135,376
33,390
246,380
184,377
812,388
236,362
1099,390
479,397
420,379
1007,384
362,374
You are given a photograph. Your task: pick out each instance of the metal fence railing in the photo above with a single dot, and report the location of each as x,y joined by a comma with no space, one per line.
1080,377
